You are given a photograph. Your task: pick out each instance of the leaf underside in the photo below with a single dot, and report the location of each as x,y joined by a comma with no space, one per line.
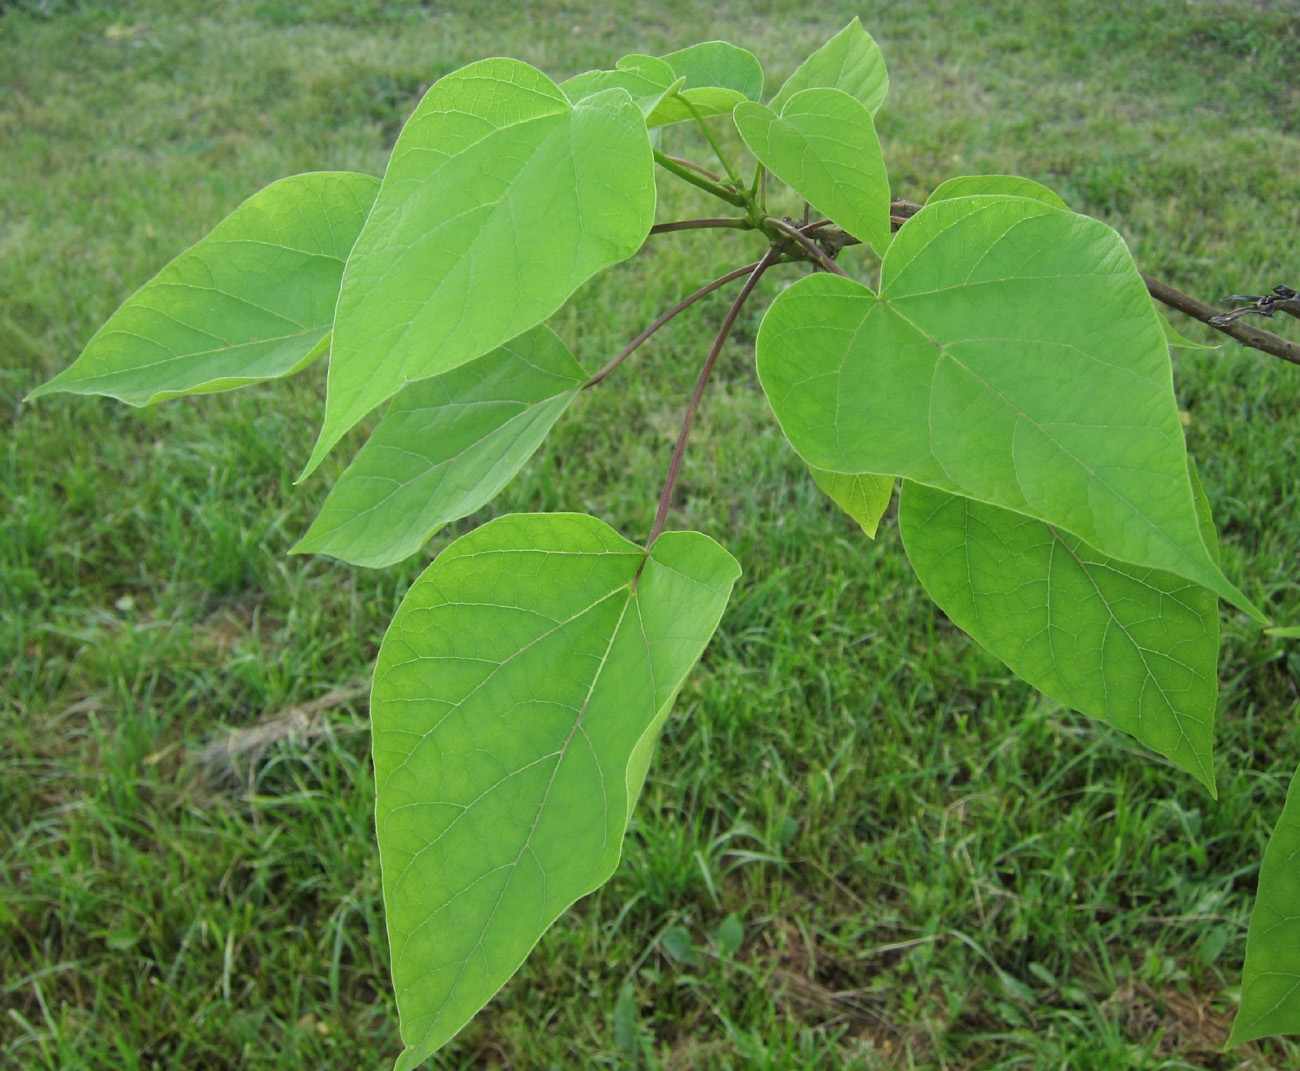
500,199
1013,356
850,61
445,447
516,701
1135,647
823,145
704,80
645,78
862,496
718,65
250,301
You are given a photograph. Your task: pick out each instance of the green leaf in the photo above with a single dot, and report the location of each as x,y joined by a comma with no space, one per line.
731,935
445,447
1003,185
1291,632
850,61
824,147
646,78
1136,648
517,696
717,76
862,496
718,64
252,300
677,107
1270,978
501,198
654,68
1013,357
1177,341
677,943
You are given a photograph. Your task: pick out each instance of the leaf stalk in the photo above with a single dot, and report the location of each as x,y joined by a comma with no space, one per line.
665,498
729,222
811,248
682,305
717,149
717,189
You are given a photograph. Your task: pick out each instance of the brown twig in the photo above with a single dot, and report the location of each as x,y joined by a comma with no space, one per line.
1282,299
1247,335
695,167
685,303
666,497
901,211
806,244
728,222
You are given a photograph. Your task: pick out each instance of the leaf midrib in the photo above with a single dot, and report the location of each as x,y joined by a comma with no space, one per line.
559,756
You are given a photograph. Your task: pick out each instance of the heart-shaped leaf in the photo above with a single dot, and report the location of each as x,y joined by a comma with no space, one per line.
250,301
823,146
517,698
445,447
500,199
1013,356
850,61
1134,647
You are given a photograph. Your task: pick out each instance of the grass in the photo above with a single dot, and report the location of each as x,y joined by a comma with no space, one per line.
862,843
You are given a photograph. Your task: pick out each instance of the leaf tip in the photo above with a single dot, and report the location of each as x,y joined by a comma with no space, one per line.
318,453
409,1060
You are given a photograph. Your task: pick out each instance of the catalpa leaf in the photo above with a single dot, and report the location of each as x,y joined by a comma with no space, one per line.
862,496
1270,978
500,199
1015,186
445,447
716,77
1003,185
1013,356
1135,647
250,301
1178,341
646,79
684,105
516,701
823,146
654,68
850,61
717,64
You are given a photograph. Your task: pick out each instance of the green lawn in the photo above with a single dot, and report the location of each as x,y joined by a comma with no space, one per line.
862,844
